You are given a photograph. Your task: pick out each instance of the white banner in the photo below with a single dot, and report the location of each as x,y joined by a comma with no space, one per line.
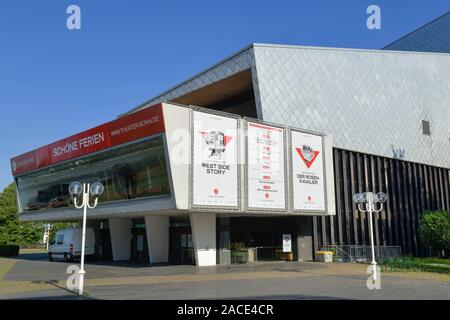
308,185
265,167
287,243
215,158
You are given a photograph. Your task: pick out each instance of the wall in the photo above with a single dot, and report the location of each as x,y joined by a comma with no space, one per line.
411,189
368,101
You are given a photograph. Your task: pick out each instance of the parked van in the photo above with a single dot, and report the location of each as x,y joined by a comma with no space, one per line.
67,244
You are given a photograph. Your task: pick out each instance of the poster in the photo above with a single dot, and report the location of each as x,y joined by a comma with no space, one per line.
215,158
287,243
308,179
265,167
190,243
140,243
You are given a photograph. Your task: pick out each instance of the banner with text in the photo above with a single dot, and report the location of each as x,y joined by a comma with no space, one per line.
265,167
308,185
138,125
215,160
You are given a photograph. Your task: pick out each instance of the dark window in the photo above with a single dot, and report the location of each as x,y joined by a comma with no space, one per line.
60,239
426,127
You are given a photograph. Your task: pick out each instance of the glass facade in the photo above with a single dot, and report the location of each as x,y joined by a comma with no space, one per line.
129,172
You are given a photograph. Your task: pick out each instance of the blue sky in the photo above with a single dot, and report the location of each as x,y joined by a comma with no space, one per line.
55,82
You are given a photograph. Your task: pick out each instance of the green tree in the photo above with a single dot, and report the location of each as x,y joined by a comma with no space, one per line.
11,230
435,230
22,233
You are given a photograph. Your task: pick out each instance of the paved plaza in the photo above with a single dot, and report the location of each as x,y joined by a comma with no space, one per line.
31,276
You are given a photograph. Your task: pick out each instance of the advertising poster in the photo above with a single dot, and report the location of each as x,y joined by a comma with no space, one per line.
287,243
308,185
215,158
265,167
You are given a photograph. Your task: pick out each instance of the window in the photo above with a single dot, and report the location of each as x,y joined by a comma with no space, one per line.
134,171
426,127
60,239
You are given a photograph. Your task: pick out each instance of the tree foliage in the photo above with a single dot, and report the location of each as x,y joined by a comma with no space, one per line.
435,229
14,232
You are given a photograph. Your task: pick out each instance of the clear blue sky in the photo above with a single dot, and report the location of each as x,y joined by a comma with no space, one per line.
55,82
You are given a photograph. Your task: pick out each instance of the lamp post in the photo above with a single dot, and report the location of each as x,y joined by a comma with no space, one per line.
47,228
82,192
370,200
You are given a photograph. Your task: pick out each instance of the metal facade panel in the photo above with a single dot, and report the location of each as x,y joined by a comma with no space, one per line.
404,184
432,37
368,101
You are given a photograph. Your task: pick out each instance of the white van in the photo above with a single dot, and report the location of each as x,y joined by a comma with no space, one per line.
67,244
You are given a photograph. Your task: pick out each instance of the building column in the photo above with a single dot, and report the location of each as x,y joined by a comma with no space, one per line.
203,227
120,229
157,228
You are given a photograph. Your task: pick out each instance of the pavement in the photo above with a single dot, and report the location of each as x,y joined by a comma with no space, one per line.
31,276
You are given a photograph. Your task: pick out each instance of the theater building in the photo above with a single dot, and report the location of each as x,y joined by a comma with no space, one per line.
258,158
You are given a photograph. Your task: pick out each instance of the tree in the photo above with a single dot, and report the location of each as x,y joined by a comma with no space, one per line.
11,230
14,232
435,230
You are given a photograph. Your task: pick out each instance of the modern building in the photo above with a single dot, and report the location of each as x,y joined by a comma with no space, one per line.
383,117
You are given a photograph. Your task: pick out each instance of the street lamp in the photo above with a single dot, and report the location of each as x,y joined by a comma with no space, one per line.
370,200
47,228
82,192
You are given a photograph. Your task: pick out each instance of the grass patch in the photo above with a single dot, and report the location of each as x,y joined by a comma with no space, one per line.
435,260
416,264
5,266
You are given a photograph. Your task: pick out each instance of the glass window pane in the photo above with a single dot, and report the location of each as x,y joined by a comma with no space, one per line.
129,172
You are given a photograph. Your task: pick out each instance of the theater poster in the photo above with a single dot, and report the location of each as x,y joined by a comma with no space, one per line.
308,172
214,160
265,167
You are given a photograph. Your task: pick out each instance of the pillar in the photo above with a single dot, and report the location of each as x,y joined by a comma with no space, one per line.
157,228
120,229
203,227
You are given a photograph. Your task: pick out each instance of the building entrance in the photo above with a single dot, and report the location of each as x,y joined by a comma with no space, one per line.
139,245
181,244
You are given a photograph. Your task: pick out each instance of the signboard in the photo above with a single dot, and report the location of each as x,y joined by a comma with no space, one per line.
214,160
140,243
308,172
189,241
287,243
265,167
132,127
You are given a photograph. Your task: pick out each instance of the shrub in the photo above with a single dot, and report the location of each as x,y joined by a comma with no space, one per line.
400,264
10,250
434,230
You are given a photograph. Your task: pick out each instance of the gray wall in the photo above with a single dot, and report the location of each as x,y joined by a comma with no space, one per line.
368,101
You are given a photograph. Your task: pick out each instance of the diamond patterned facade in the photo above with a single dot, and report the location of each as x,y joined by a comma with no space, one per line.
369,101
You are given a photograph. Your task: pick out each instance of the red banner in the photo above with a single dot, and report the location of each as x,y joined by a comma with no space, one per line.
135,126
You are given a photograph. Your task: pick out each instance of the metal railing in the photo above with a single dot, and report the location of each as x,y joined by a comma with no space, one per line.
360,253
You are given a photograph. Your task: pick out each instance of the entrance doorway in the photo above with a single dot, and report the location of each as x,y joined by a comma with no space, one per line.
181,244
139,245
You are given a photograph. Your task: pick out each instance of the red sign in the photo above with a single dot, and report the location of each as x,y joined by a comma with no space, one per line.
308,162
135,126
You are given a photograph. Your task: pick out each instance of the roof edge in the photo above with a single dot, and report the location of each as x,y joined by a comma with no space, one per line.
415,30
246,48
